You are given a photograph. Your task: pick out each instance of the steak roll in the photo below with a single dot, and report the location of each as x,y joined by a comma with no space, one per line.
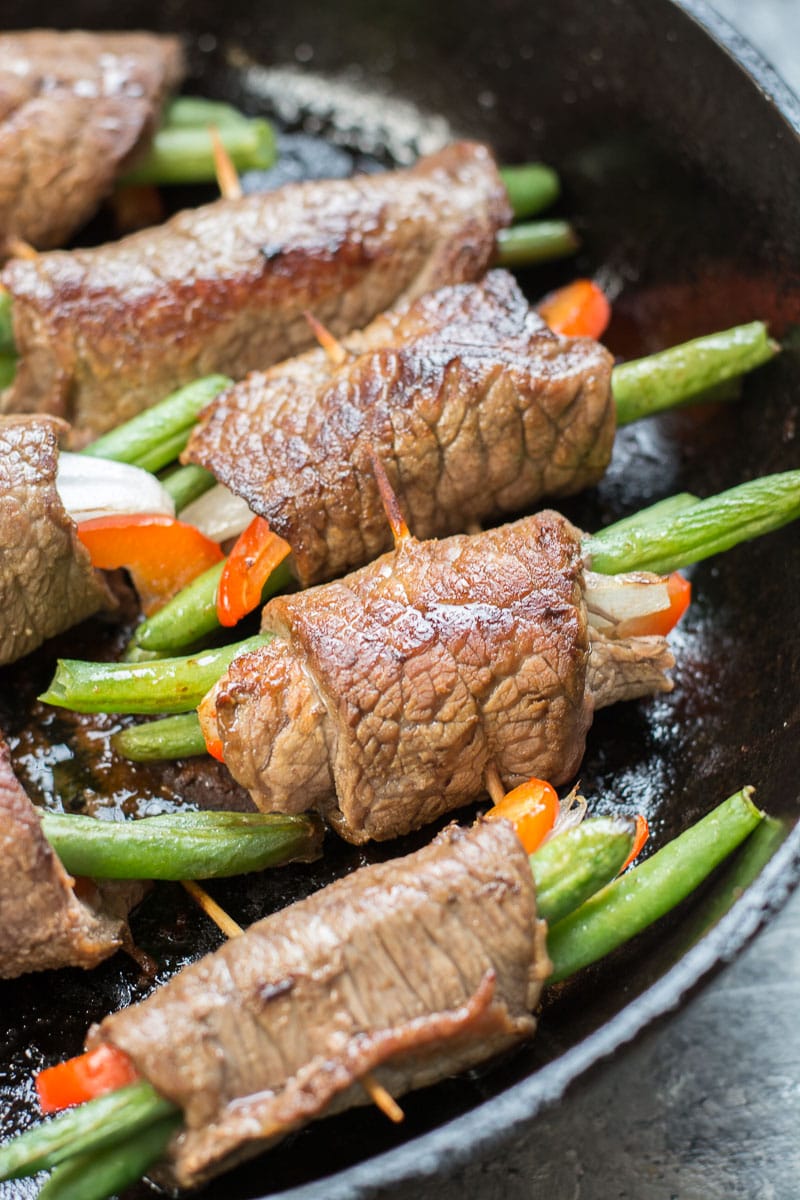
75,110
411,970
106,332
47,582
47,918
384,696
474,405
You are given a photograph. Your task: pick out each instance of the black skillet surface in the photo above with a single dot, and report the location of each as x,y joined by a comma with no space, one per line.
682,174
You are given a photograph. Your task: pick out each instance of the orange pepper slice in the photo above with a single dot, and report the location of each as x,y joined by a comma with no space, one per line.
532,808
640,836
84,1078
679,591
162,554
256,554
578,310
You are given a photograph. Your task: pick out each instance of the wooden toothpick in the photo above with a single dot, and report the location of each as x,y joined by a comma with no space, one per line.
213,910
382,1099
331,345
227,176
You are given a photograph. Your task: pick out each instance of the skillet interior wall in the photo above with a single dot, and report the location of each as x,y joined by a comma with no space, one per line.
688,205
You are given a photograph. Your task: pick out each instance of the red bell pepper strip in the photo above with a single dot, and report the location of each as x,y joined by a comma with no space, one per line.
84,1078
640,836
532,808
162,555
578,310
214,748
256,554
679,591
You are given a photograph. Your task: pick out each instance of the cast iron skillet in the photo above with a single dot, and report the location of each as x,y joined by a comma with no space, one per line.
681,168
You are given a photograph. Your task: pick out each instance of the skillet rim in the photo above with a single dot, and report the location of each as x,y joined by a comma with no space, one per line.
497,1119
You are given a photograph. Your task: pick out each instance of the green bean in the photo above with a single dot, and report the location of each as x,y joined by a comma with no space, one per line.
186,618
676,376
171,737
196,112
748,864
536,241
87,1127
704,529
165,452
8,369
530,187
7,344
185,154
108,1171
192,614
642,895
599,925
654,512
142,436
182,845
187,484
169,685
574,865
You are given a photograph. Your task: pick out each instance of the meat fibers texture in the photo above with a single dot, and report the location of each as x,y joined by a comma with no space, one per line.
475,408
47,582
75,109
385,696
104,333
44,921
412,970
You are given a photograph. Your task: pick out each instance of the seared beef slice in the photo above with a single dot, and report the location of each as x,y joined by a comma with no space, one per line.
43,923
74,109
412,970
474,406
104,333
386,695
47,581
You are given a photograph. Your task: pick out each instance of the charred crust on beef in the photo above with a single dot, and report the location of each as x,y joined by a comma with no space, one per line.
385,695
402,969
44,923
75,109
473,405
47,582
102,333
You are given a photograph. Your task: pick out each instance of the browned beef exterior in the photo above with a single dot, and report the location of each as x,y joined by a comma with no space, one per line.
43,923
473,405
627,668
74,109
386,695
47,582
411,970
104,333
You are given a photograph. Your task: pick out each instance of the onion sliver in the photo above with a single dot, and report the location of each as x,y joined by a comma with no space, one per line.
614,600
97,487
218,514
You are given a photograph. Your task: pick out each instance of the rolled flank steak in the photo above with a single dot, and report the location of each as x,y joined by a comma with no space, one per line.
47,918
75,110
47,582
384,697
411,970
476,408
104,333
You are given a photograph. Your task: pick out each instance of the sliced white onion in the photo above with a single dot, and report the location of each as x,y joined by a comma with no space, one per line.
218,514
613,600
96,487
